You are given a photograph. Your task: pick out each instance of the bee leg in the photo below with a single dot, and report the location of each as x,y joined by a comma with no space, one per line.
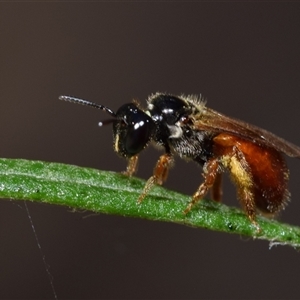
242,177
216,190
210,175
132,166
160,174
241,174
247,199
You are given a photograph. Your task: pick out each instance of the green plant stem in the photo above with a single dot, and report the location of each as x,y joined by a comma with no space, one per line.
114,193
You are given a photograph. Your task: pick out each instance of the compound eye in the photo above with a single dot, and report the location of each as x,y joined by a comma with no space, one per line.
132,130
138,135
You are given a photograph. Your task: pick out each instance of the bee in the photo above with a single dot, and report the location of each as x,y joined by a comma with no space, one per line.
184,126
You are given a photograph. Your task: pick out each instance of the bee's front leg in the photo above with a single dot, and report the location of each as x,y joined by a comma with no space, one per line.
131,166
160,174
210,175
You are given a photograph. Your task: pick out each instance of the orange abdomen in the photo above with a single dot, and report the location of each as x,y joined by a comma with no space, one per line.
260,172
269,174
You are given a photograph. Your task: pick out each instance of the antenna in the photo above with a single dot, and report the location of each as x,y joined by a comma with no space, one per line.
88,103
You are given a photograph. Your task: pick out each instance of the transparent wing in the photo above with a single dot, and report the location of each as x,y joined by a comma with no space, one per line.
213,121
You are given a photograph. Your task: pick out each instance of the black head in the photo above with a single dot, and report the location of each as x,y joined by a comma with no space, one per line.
132,130
132,127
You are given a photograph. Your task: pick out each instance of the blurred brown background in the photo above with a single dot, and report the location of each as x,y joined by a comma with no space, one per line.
243,57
